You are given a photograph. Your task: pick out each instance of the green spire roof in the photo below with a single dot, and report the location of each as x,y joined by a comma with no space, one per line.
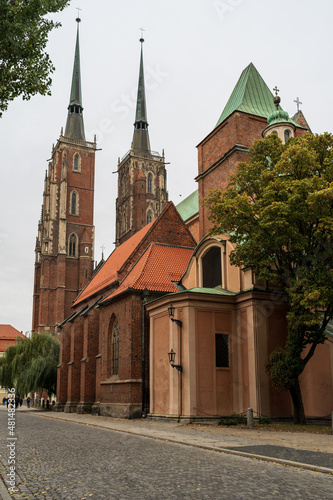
141,111
250,95
141,137
74,125
76,97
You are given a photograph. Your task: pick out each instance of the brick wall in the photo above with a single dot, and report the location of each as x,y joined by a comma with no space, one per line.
56,271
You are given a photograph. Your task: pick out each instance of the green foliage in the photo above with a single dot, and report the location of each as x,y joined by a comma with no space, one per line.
264,420
25,67
234,420
31,364
278,210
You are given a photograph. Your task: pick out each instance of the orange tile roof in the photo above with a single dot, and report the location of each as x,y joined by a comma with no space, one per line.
9,332
109,271
156,269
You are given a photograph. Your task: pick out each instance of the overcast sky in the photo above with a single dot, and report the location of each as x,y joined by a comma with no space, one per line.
194,53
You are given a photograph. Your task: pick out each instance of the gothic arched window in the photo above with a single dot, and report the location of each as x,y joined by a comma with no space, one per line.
286,135
211,268
74,203
150,183
72,245
149,217
115,348
76,165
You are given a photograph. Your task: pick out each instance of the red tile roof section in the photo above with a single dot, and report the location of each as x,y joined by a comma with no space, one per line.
156,269
9,332
109,271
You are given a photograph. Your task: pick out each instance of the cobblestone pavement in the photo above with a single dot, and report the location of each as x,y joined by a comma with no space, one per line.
56,459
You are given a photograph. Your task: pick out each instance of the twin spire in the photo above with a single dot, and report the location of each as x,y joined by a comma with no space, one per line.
75,126
141,137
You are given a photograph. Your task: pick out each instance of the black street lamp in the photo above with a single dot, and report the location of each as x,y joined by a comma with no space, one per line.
171,310
172,356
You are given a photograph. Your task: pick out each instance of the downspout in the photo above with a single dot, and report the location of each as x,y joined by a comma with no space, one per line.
180,374
145,294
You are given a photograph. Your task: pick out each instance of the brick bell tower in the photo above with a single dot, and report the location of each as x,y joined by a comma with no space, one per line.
141,175
64,253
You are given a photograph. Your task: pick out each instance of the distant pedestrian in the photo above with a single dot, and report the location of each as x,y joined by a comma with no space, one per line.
16,401
4,400
28,401
20,401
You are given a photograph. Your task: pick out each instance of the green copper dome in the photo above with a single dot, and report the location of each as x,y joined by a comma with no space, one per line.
279,116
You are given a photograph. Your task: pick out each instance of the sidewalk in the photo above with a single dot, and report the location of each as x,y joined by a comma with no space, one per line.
305,450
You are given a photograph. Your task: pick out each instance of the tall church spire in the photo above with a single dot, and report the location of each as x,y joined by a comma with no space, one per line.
141,137
74,125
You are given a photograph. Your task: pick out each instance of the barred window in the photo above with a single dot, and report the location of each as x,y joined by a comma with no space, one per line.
222,350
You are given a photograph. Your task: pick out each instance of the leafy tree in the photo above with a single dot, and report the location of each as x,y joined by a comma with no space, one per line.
278,209
25,67
31,364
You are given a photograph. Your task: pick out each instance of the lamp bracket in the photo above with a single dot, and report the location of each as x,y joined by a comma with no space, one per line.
177,321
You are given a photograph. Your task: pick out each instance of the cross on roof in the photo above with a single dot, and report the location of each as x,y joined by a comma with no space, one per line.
142,30
78,13
298,102
276,90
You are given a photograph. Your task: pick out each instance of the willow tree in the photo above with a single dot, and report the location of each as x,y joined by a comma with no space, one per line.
25,66
278,209
31,364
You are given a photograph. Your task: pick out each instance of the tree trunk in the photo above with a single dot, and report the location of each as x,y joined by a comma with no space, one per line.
296,396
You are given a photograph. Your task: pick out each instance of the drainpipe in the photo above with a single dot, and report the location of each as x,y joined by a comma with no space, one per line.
145,294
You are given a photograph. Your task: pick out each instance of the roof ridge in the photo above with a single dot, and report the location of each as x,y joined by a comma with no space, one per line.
145,258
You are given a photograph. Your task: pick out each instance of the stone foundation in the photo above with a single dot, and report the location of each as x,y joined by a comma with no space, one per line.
120,410
70,407
58,407
84,408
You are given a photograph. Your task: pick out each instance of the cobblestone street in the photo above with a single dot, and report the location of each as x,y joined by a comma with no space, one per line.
64,460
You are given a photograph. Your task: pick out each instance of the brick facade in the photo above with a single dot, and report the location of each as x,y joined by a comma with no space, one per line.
64,245
221,151
142,192
116,333
85,379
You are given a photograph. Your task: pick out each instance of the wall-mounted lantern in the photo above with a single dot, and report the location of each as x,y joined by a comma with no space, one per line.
171,310
172,356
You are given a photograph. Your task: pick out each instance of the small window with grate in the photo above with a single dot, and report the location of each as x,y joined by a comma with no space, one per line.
222,350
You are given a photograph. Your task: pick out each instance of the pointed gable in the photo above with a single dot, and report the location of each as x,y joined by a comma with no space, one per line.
167,228
156,270
299,118
250,95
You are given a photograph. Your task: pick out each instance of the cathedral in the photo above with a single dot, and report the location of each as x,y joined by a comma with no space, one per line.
166,327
